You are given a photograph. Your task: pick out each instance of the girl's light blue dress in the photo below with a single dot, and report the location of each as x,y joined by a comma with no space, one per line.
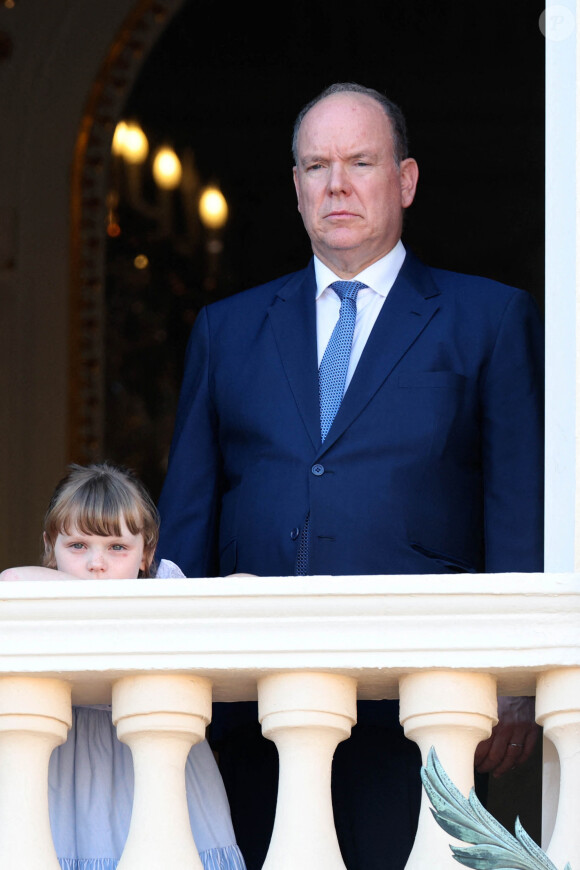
90,792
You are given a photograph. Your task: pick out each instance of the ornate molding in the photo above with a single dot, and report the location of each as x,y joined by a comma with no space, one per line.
375,629
131,45
492,846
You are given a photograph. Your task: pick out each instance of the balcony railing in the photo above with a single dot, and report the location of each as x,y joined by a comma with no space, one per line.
306,649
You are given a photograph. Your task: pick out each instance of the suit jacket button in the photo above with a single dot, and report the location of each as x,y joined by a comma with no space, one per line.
295,534
318,470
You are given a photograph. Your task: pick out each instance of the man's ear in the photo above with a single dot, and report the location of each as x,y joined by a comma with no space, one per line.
296,185
409,174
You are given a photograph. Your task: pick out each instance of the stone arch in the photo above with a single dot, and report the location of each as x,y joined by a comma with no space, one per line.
130,45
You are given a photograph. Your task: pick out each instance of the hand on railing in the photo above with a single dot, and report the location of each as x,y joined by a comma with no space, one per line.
33,572
513,738
241,574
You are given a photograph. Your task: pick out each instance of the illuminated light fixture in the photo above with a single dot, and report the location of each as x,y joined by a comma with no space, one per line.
213,208
167,170
141,261
135,146
118,145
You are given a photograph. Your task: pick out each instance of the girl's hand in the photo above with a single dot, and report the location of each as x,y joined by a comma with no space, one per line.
33,572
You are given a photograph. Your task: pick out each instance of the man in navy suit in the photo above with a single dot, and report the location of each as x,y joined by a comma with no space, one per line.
433,463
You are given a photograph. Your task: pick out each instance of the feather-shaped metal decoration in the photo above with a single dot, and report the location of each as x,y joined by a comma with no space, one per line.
493,847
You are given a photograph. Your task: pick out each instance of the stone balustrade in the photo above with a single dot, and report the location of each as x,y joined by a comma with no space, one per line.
306,648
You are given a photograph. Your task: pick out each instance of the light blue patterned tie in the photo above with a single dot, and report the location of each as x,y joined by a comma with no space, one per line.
331,381
334,365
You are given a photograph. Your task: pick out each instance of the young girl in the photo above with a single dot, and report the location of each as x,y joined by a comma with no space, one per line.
102,524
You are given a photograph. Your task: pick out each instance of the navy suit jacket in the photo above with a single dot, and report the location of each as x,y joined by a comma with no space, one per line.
434,462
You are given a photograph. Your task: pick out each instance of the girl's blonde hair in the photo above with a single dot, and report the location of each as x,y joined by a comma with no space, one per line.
95,499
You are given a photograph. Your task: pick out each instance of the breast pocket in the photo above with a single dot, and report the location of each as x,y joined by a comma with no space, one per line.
432,381
441,401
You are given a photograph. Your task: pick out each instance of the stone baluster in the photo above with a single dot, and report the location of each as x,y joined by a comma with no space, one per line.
160,717
558,711
306,715
35,716
452,711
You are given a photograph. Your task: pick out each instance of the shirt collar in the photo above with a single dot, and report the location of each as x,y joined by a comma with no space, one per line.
380,276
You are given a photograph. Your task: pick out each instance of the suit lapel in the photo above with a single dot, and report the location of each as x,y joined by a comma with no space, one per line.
293,319
408,308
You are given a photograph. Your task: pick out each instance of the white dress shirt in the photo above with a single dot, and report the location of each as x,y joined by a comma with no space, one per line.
379,279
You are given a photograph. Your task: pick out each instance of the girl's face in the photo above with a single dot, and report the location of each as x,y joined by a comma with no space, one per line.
100,557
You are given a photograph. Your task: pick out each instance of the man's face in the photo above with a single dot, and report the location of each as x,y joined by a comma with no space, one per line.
351,194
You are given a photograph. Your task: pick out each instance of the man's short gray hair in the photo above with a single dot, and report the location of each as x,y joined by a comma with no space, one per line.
391,110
